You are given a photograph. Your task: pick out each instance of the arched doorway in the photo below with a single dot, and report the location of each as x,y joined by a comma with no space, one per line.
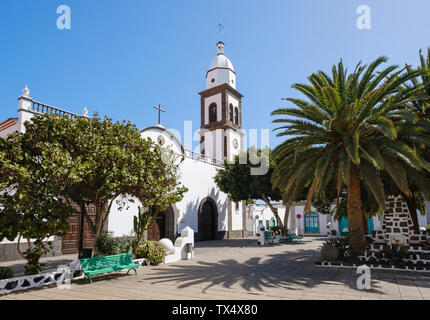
164,226
208,220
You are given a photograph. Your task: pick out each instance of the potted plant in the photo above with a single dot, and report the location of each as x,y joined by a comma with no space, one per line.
329,252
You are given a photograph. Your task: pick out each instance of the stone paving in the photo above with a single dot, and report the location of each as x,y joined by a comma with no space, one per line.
239,269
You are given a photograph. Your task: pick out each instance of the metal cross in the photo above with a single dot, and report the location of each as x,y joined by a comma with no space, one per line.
159,110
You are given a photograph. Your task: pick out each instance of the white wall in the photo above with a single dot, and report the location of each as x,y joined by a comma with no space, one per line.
197,176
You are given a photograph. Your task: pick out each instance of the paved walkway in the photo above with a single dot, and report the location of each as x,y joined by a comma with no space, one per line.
238,269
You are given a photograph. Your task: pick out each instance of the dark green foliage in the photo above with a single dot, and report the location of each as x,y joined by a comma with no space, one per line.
322,207
240,183
276,229
395,254
340,243
108,245
428,229
141,222
5,273
33,255
152,251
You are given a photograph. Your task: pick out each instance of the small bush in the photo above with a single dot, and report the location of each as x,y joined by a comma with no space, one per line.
151,250
428,229
276,229
395,254
108,245
5,273
340,243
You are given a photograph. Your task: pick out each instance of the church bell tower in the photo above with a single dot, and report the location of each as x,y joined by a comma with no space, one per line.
221,110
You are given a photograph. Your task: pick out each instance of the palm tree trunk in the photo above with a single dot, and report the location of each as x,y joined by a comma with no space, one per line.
355,214
365,225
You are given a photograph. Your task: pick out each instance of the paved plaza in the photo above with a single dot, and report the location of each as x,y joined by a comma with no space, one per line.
239,269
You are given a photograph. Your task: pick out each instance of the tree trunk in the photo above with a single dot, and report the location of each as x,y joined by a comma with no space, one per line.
274,210
354,211
365,225
413,212
286,215
81,229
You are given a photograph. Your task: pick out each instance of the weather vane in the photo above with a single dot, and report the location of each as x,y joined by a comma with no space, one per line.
220,28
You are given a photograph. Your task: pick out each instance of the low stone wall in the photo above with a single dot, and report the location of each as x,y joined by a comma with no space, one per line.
9,251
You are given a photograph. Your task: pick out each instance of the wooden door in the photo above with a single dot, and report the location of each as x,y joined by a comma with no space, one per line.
70,241
157,230
207,222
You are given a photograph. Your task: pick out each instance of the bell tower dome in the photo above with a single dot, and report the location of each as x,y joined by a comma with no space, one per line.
221,110
221,70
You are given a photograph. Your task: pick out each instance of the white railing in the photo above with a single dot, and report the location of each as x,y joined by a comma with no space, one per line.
201,157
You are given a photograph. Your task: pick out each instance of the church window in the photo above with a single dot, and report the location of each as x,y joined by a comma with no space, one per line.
212,112
213,80
236,116
160,140
231,112
225,147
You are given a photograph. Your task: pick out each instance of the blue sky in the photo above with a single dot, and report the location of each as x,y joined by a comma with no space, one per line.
122,57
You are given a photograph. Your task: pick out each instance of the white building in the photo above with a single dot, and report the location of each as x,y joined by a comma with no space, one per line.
314,224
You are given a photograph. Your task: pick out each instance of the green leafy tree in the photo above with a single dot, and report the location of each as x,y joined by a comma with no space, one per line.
345,133
237,180
99,161
31,205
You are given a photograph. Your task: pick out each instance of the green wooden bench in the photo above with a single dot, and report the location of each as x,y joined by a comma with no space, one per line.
293,236
100,265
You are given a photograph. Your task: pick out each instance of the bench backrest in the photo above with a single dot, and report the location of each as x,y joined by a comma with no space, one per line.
106,261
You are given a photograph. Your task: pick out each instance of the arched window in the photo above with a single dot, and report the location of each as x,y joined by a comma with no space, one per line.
212,112
236,116
231,112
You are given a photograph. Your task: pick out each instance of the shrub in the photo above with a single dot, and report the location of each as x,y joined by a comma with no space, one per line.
428,229
340,243
395,254
276,229
108,245
5,273
152,251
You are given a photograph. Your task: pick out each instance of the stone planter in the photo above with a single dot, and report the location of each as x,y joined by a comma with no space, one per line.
329,253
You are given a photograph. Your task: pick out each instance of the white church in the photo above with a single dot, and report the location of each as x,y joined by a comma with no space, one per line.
204,208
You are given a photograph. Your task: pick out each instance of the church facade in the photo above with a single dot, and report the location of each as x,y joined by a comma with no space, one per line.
204,208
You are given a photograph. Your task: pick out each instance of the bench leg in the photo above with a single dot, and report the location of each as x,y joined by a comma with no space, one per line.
135,272
89,278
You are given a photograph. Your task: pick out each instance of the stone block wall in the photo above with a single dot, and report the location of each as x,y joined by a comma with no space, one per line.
397,225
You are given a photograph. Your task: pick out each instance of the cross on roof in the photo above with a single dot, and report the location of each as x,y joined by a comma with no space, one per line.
159,110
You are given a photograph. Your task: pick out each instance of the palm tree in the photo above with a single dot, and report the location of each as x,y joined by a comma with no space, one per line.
345,134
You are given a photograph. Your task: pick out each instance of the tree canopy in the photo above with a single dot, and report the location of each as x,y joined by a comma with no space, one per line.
93,160
348,132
